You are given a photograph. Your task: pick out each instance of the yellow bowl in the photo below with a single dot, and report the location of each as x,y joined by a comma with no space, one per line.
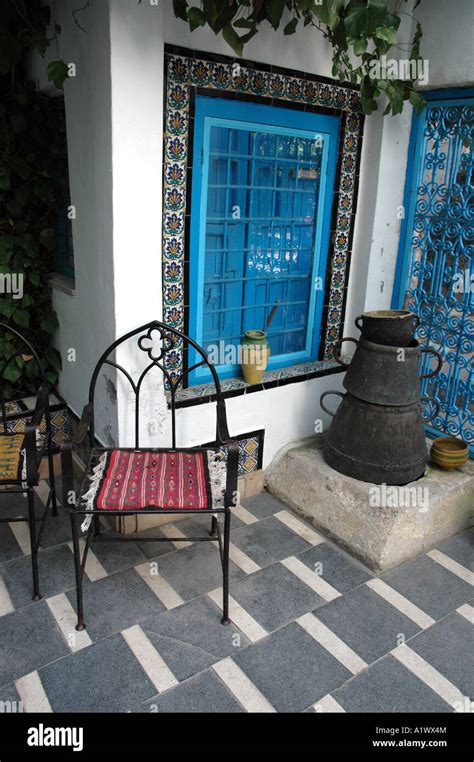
449,452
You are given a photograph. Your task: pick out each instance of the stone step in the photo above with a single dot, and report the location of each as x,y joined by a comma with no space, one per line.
381,525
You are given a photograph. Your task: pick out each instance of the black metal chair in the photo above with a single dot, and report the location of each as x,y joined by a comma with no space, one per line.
131,481
21,452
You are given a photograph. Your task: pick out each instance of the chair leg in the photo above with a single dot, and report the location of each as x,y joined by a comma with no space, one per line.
79,574
52,482
96,521
213,531
34,544
225,569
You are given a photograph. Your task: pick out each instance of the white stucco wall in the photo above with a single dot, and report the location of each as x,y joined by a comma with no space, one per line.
114,111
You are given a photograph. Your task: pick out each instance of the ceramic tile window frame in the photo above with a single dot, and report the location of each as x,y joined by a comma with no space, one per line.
189,73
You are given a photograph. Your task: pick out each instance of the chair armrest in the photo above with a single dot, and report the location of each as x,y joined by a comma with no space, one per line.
31,428
42,401
31,454
232,472
67,468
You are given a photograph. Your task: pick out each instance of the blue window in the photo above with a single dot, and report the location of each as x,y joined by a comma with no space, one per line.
262,190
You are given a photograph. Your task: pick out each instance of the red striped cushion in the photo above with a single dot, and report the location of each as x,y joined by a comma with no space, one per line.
133,480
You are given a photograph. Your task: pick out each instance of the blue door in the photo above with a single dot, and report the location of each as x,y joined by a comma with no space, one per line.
262,189
435,274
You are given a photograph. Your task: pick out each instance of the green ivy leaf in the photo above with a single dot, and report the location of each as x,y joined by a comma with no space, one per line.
275,10
363,17
50,323
290,28
12,372
232,38
327,12
417,101
180,7
57,73
360,46
21,318
196,18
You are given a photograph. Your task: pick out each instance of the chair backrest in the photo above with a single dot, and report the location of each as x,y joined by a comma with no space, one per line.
169,339
15,346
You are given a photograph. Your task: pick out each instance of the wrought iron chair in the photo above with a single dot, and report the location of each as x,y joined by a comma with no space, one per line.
21,452
131,481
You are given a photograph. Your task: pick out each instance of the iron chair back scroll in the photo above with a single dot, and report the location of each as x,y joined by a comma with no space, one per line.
170,339
33,447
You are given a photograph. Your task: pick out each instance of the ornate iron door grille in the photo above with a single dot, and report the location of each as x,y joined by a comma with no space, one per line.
436,272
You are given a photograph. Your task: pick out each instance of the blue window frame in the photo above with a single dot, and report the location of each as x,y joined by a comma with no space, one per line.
262,190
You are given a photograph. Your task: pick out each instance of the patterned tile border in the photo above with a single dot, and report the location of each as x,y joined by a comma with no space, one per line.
190,72
250,451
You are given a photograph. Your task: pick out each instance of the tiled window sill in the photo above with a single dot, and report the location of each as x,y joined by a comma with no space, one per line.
234,387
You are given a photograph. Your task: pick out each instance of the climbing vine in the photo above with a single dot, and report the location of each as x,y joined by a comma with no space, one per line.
33,156
361,33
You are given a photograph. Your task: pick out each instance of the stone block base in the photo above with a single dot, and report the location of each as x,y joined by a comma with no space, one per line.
382,528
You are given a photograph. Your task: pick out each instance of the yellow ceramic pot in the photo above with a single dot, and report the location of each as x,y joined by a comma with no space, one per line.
255,354
449,452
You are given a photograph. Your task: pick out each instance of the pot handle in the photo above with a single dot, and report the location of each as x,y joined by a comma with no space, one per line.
323,395
438,357
357,321
417,320
430,399
337,346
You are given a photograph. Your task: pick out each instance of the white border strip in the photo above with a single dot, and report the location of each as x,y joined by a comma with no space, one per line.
171,530
242,687
244,515
297,526
401,603
145,652
453,566
21,532
6,605
328,704
241,618
159,586
467,612
31,692
430,676
332,643
310,578
241,559
94,568
66,620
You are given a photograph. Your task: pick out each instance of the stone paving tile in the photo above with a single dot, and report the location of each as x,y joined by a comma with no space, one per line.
195,570
155,549
202,693
56,575
29,639
288,666
9,547
366,623
460,548
10,699
117,556
388,686
190,638
274,596
291,669
335,567
268,541
105,677
448,647
429,586
263,505
115,603
57,529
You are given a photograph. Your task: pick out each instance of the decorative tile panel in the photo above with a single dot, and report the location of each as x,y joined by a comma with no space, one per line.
189,70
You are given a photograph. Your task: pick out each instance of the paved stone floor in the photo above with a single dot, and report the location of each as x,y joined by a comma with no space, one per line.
312,628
